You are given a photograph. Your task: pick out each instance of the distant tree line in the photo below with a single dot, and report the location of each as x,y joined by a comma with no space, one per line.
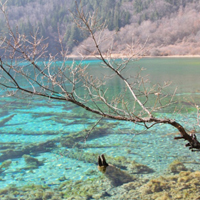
56,14
50,15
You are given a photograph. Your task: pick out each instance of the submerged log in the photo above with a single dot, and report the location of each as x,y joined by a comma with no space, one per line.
6,119
115,175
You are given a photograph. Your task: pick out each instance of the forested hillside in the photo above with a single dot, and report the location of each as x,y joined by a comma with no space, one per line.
166,27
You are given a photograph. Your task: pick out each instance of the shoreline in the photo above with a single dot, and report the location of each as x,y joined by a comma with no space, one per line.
118,56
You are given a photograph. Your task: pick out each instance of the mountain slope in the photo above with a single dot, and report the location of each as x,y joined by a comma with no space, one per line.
175,34
165,27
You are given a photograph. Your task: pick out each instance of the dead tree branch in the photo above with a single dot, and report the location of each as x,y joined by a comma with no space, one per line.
21,71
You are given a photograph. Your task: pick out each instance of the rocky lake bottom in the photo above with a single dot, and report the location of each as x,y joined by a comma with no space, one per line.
44,155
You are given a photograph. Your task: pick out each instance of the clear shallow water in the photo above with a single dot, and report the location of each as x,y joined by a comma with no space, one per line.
39,121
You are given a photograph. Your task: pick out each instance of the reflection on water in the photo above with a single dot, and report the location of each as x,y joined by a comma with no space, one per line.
43,154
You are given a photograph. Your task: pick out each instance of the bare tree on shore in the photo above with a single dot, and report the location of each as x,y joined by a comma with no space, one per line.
23,72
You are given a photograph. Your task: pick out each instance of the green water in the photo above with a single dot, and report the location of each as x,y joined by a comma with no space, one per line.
36,121
183,72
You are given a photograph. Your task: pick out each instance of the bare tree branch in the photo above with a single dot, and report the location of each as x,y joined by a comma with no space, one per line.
21,70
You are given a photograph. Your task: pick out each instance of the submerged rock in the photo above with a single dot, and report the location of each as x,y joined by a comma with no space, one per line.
176,166
138,168
32,162
94,188
5,165
184,186
156,185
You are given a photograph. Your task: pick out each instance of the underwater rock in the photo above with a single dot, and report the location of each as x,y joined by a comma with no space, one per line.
184,186
91,172
5,165
156,185
48,194
115,175
164,196
4,191
138,168
63,178
176,166
101,195
32,162
30,192
84,189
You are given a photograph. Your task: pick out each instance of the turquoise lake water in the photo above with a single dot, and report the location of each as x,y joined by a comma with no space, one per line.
24,124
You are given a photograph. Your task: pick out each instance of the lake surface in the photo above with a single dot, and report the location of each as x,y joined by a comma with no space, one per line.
51,131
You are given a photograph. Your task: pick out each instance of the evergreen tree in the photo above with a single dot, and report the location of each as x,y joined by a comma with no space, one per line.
74,37
113,12
116,21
